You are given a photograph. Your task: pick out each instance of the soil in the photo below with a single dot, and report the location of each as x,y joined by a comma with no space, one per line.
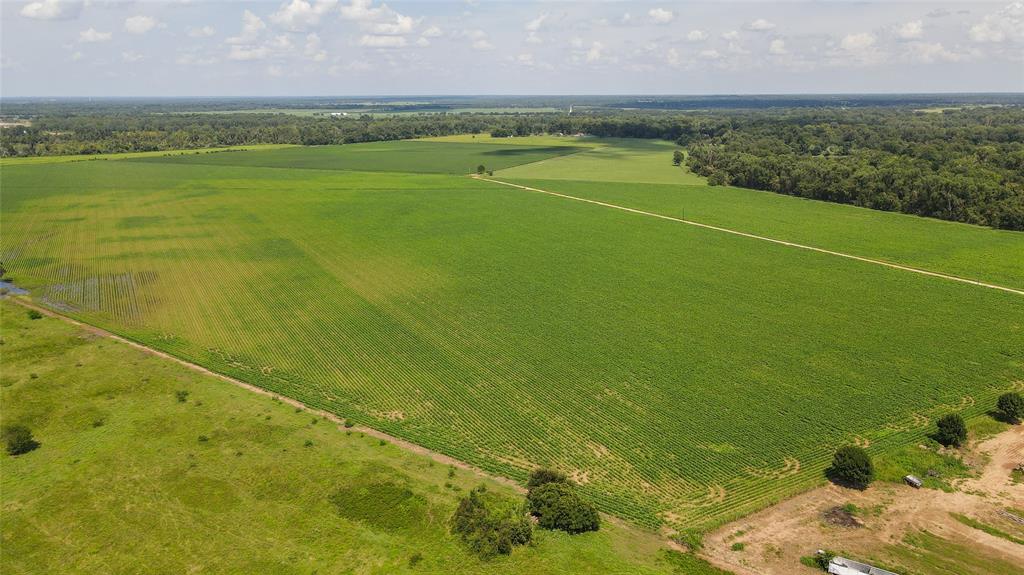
775,538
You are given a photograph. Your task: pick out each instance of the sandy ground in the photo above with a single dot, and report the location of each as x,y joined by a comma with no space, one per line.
775,538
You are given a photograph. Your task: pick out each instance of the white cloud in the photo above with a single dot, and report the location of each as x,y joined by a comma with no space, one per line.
313,49
859,49
246,53
661,16
696,36
525,59
1006,24
92,35
759,25
204,32
777,47
131,56
432,32
302,14
422,41
252,27
380,20
533,38
192,59
139,24
709,54
672,57
396,25
910,30
536,23
730,35
595,52
929,52
483,44
77,56
858,42
51,10
375,41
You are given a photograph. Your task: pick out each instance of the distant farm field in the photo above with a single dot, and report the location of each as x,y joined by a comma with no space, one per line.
682,375
404,156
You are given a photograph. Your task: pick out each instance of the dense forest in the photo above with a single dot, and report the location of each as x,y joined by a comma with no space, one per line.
960,164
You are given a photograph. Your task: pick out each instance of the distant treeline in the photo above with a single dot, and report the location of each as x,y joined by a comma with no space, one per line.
963,164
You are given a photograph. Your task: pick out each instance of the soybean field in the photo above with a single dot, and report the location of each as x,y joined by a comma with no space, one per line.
683,376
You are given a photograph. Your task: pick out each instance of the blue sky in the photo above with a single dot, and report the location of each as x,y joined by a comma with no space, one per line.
365,47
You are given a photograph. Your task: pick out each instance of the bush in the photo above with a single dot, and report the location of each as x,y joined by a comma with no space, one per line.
952,432
34,314
557,506
851,467
490,526
182,395
1011,405
543,475
18,439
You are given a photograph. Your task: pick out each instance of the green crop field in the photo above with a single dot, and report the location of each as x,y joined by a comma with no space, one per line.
682,375
122,469
612,160
404,156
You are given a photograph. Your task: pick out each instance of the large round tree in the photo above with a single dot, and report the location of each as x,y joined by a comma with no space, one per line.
851,467
1011,405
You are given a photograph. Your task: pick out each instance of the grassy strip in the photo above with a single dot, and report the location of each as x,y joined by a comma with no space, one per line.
993,531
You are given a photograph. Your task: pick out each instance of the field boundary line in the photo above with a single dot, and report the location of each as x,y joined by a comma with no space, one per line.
404,444
761,238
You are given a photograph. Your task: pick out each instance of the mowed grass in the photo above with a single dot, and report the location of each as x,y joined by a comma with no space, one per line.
612,160
129,479
403,156
963,250
682,375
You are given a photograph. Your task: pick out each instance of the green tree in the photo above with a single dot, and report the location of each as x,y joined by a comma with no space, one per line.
677,158
481,169
952,432
490,526
557,506
1011,405
852,467
18,439
543,475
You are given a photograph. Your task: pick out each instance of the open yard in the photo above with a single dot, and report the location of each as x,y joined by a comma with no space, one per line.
684,376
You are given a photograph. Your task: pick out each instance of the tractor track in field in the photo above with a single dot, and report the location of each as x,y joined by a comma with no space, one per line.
757,237
407,445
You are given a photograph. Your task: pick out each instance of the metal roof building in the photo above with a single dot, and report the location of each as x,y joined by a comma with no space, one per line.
844,566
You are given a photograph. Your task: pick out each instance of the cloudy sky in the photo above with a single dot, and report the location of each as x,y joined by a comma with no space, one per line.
368,47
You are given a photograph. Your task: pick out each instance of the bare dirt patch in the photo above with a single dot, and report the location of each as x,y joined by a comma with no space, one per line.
776,538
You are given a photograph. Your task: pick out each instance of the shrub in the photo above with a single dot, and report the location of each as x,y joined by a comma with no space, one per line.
1011,405
489,526
34,314
557,506
543,475
952,432
738,546
415,559
852,467
18,439
182,395
481,169
348,424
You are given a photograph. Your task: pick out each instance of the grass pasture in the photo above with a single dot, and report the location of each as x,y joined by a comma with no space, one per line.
683,376
612,160
124,482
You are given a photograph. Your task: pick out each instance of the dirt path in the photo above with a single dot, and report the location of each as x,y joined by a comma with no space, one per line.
775,538
439,457
762,238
